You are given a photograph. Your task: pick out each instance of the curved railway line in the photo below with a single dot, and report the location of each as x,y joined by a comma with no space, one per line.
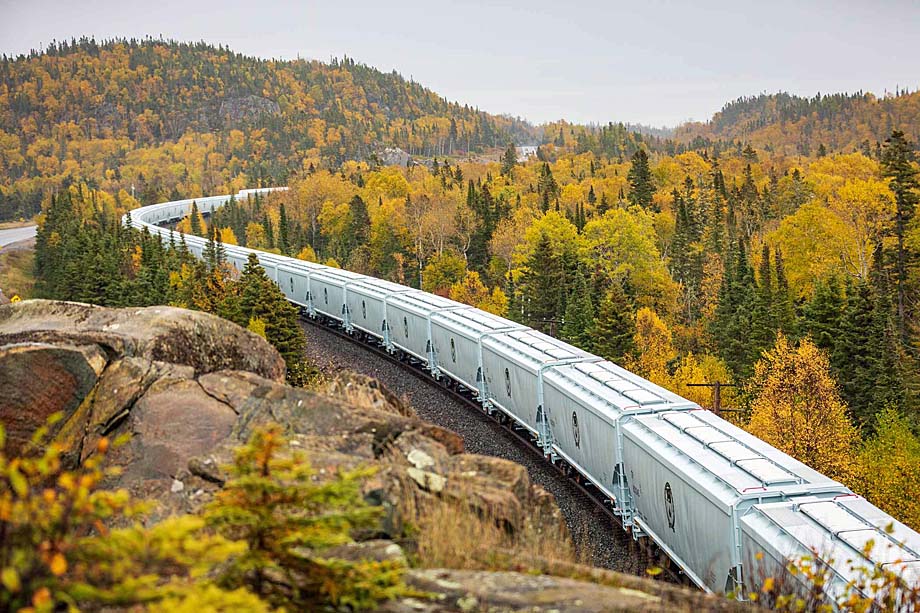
728,509
590,519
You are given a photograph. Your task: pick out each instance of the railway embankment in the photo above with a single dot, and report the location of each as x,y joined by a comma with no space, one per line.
475,531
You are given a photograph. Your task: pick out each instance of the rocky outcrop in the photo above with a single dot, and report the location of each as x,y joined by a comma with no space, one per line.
245,108
393,156
123,370
467,591
40,379
158,334
189,387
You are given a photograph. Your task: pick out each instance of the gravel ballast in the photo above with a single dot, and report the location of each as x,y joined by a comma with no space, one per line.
600,541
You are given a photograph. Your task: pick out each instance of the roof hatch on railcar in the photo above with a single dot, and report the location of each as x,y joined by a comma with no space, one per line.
767,471
733,450
643,397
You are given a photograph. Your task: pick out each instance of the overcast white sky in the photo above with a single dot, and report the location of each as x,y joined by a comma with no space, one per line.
654,62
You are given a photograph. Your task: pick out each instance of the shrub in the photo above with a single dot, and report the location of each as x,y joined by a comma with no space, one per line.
274,504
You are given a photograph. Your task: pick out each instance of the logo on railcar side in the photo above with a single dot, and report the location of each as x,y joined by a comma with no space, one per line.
669,505
575,432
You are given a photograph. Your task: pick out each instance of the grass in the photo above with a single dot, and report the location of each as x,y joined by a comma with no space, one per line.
21,223
451,533
16,277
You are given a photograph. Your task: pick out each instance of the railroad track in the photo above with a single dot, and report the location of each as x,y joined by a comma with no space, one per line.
643,551
729,509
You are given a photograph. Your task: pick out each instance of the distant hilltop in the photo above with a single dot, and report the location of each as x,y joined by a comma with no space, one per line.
795,125
159,119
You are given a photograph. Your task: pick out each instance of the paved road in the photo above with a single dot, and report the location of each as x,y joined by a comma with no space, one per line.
14,235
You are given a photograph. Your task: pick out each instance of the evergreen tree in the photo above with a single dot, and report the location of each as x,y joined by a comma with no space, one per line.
269,232
509,161
543,286
579,314
214,255
749,155
858,352
614,327
603,206
360,221
763,326
821,316
641,185
560,139
783,310
686,257
284,231
731,325
52,239
260,298
897,158
546,184
273,502
714,233
748,199
515,306
195,220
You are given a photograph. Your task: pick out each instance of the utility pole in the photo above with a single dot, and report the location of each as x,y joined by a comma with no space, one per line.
716,395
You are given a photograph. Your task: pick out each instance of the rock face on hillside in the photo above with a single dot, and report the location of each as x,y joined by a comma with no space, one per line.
189,387
245,108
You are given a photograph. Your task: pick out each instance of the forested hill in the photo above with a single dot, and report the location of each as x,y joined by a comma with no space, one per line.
114,112
800,126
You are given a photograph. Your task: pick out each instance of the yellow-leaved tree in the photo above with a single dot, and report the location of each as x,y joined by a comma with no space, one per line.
797,409
890,464
654,347
307,254
255,236
228,237
471,290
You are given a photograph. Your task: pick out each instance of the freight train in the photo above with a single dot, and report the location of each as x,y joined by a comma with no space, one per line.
727,508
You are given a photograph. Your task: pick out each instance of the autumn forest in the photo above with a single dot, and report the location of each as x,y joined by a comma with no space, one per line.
775,249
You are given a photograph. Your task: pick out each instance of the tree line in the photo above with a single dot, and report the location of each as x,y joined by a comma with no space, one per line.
170,119
84,253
